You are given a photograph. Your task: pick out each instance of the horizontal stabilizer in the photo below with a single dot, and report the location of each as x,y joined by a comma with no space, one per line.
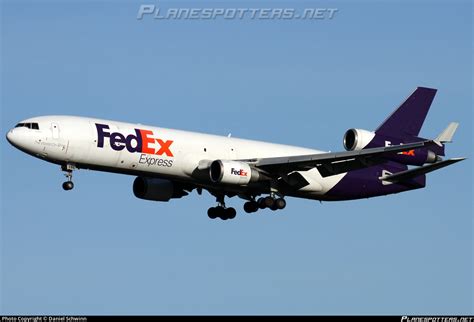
409,174
447,135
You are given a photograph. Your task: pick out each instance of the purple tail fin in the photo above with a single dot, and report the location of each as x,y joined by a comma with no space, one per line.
408,119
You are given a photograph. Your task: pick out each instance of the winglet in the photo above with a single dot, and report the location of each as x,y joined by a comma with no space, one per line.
447,135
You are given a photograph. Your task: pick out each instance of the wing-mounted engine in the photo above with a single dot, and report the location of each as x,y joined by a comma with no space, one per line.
157,189
233,172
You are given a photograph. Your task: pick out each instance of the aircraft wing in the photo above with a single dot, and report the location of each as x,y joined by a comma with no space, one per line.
333,162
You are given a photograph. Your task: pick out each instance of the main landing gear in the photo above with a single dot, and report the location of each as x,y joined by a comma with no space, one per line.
224,213
221,211
269,202
68,185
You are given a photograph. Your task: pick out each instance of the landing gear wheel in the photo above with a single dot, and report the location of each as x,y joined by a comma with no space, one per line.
268,202
280,203
251,206
261,203
68,185
221,213
212,213
215,212
230,213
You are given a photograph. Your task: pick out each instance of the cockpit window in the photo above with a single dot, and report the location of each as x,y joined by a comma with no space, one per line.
33,126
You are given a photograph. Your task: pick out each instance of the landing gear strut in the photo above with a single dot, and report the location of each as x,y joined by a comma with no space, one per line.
221,211
68,185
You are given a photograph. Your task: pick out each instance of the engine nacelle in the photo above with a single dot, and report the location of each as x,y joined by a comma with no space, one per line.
415,157
232,172
153,189
357,139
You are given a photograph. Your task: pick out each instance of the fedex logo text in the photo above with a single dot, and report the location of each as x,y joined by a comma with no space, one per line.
140,142
410,153
239,172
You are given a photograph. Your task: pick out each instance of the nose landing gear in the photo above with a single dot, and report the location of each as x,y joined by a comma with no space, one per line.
68,185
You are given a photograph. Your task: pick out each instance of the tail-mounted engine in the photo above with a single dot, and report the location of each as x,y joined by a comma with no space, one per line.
357,139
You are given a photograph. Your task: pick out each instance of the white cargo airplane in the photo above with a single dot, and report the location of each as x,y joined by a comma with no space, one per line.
171,163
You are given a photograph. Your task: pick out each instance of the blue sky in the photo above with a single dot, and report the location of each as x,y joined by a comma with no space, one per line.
99,250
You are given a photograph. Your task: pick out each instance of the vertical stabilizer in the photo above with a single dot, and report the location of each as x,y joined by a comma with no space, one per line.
408,119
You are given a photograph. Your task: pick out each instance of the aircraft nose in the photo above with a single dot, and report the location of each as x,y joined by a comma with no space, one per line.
13,138
10,137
